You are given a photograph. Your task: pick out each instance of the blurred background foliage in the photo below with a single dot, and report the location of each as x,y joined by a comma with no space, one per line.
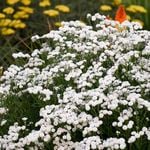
20,19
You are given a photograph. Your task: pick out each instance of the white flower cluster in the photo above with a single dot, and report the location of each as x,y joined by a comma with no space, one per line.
93,83
20,55
3,110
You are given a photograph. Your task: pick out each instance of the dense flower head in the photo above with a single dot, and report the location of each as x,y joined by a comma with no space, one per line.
105,8
8,10
26,2
51,12
7,31
92,83
2,15
44,3
136,9
63,8
117,2
12,2
26,9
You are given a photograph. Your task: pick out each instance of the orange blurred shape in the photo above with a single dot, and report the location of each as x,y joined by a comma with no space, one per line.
121,15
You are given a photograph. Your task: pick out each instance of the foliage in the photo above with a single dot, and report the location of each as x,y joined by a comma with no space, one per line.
83,87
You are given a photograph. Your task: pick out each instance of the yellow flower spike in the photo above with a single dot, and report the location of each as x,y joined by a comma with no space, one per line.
51,13
139,21
7,31
44,3
12,2
136,8
21,14
26,9
8,10
4,22
2,15
105,8
25,2
117,2
62,8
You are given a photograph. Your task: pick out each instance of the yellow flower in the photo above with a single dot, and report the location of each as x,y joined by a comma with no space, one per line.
117,2
130,9
20,25
26,2
44,3
7,31
2,15
4,22
139,21
12,2
58,24
51,12
105,8
17,24
21,14
26,9
63,8
8,10
136,8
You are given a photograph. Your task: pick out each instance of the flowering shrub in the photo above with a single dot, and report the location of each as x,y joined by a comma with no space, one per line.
83,87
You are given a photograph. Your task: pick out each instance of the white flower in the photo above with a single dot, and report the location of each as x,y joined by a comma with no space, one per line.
132,139
20,55
3,110
34,38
